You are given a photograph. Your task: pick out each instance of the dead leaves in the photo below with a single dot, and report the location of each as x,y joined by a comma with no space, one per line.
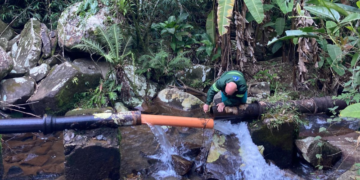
307,47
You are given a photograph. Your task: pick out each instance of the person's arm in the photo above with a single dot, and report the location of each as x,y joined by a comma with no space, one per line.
211,93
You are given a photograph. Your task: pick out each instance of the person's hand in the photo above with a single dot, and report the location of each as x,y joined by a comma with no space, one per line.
205,108
220,107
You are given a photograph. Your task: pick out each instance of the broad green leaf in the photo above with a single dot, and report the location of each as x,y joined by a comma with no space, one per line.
348,8
330,26
285,5
351,111
268,7
339,70
256,9
311,29
290,34
171,30
317,138
224,12
318,156
351,17
298,10
295,33
279,25
210,26
330,5
249,17
355,59
358,4
322,129
269,24
334,52
295,41
277,46
323,12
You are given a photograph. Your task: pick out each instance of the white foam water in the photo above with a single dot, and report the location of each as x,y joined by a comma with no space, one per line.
167,170
255,167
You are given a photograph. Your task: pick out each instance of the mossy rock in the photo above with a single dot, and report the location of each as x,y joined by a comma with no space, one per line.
278,142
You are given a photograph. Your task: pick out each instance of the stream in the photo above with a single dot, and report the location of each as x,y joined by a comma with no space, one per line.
35,156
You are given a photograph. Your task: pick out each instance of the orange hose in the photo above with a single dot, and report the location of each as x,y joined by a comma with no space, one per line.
177,121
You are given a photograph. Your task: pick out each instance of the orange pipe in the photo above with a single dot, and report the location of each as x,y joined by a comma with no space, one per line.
177,121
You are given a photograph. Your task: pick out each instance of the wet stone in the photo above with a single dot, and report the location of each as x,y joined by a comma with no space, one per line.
278,142
91,154
181,165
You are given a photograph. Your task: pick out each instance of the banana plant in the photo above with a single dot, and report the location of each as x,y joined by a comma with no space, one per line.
337,47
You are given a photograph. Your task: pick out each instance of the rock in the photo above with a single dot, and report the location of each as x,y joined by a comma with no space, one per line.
278,142
260,90
46,44
72,27
92,154
29,46
140,88
120,107
181,165
4,43
138,143
53,60
14,171
6,63
17,90
77,112
351,174
309,147
13,41
8,33
197,76
55,93
35,160
53,40
39,72
224,154
178,103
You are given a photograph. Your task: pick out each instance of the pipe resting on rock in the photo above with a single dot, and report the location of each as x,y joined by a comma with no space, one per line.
255,110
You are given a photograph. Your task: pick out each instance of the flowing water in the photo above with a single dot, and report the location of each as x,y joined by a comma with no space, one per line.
255,166
166,167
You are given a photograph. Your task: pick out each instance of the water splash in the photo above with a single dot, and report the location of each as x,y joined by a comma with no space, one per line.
167,170
254,167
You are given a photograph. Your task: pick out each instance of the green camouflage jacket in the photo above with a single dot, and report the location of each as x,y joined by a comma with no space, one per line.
230,76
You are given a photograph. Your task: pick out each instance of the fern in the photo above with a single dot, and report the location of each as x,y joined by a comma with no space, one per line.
162,63
108,44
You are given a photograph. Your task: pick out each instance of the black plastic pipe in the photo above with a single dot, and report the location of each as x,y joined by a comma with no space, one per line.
49,124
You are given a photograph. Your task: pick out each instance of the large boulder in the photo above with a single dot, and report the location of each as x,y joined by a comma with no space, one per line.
178,103
198,76
29,47
8,33
17,90
6,63
55,93
140,88
278,141
311,148
72,27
